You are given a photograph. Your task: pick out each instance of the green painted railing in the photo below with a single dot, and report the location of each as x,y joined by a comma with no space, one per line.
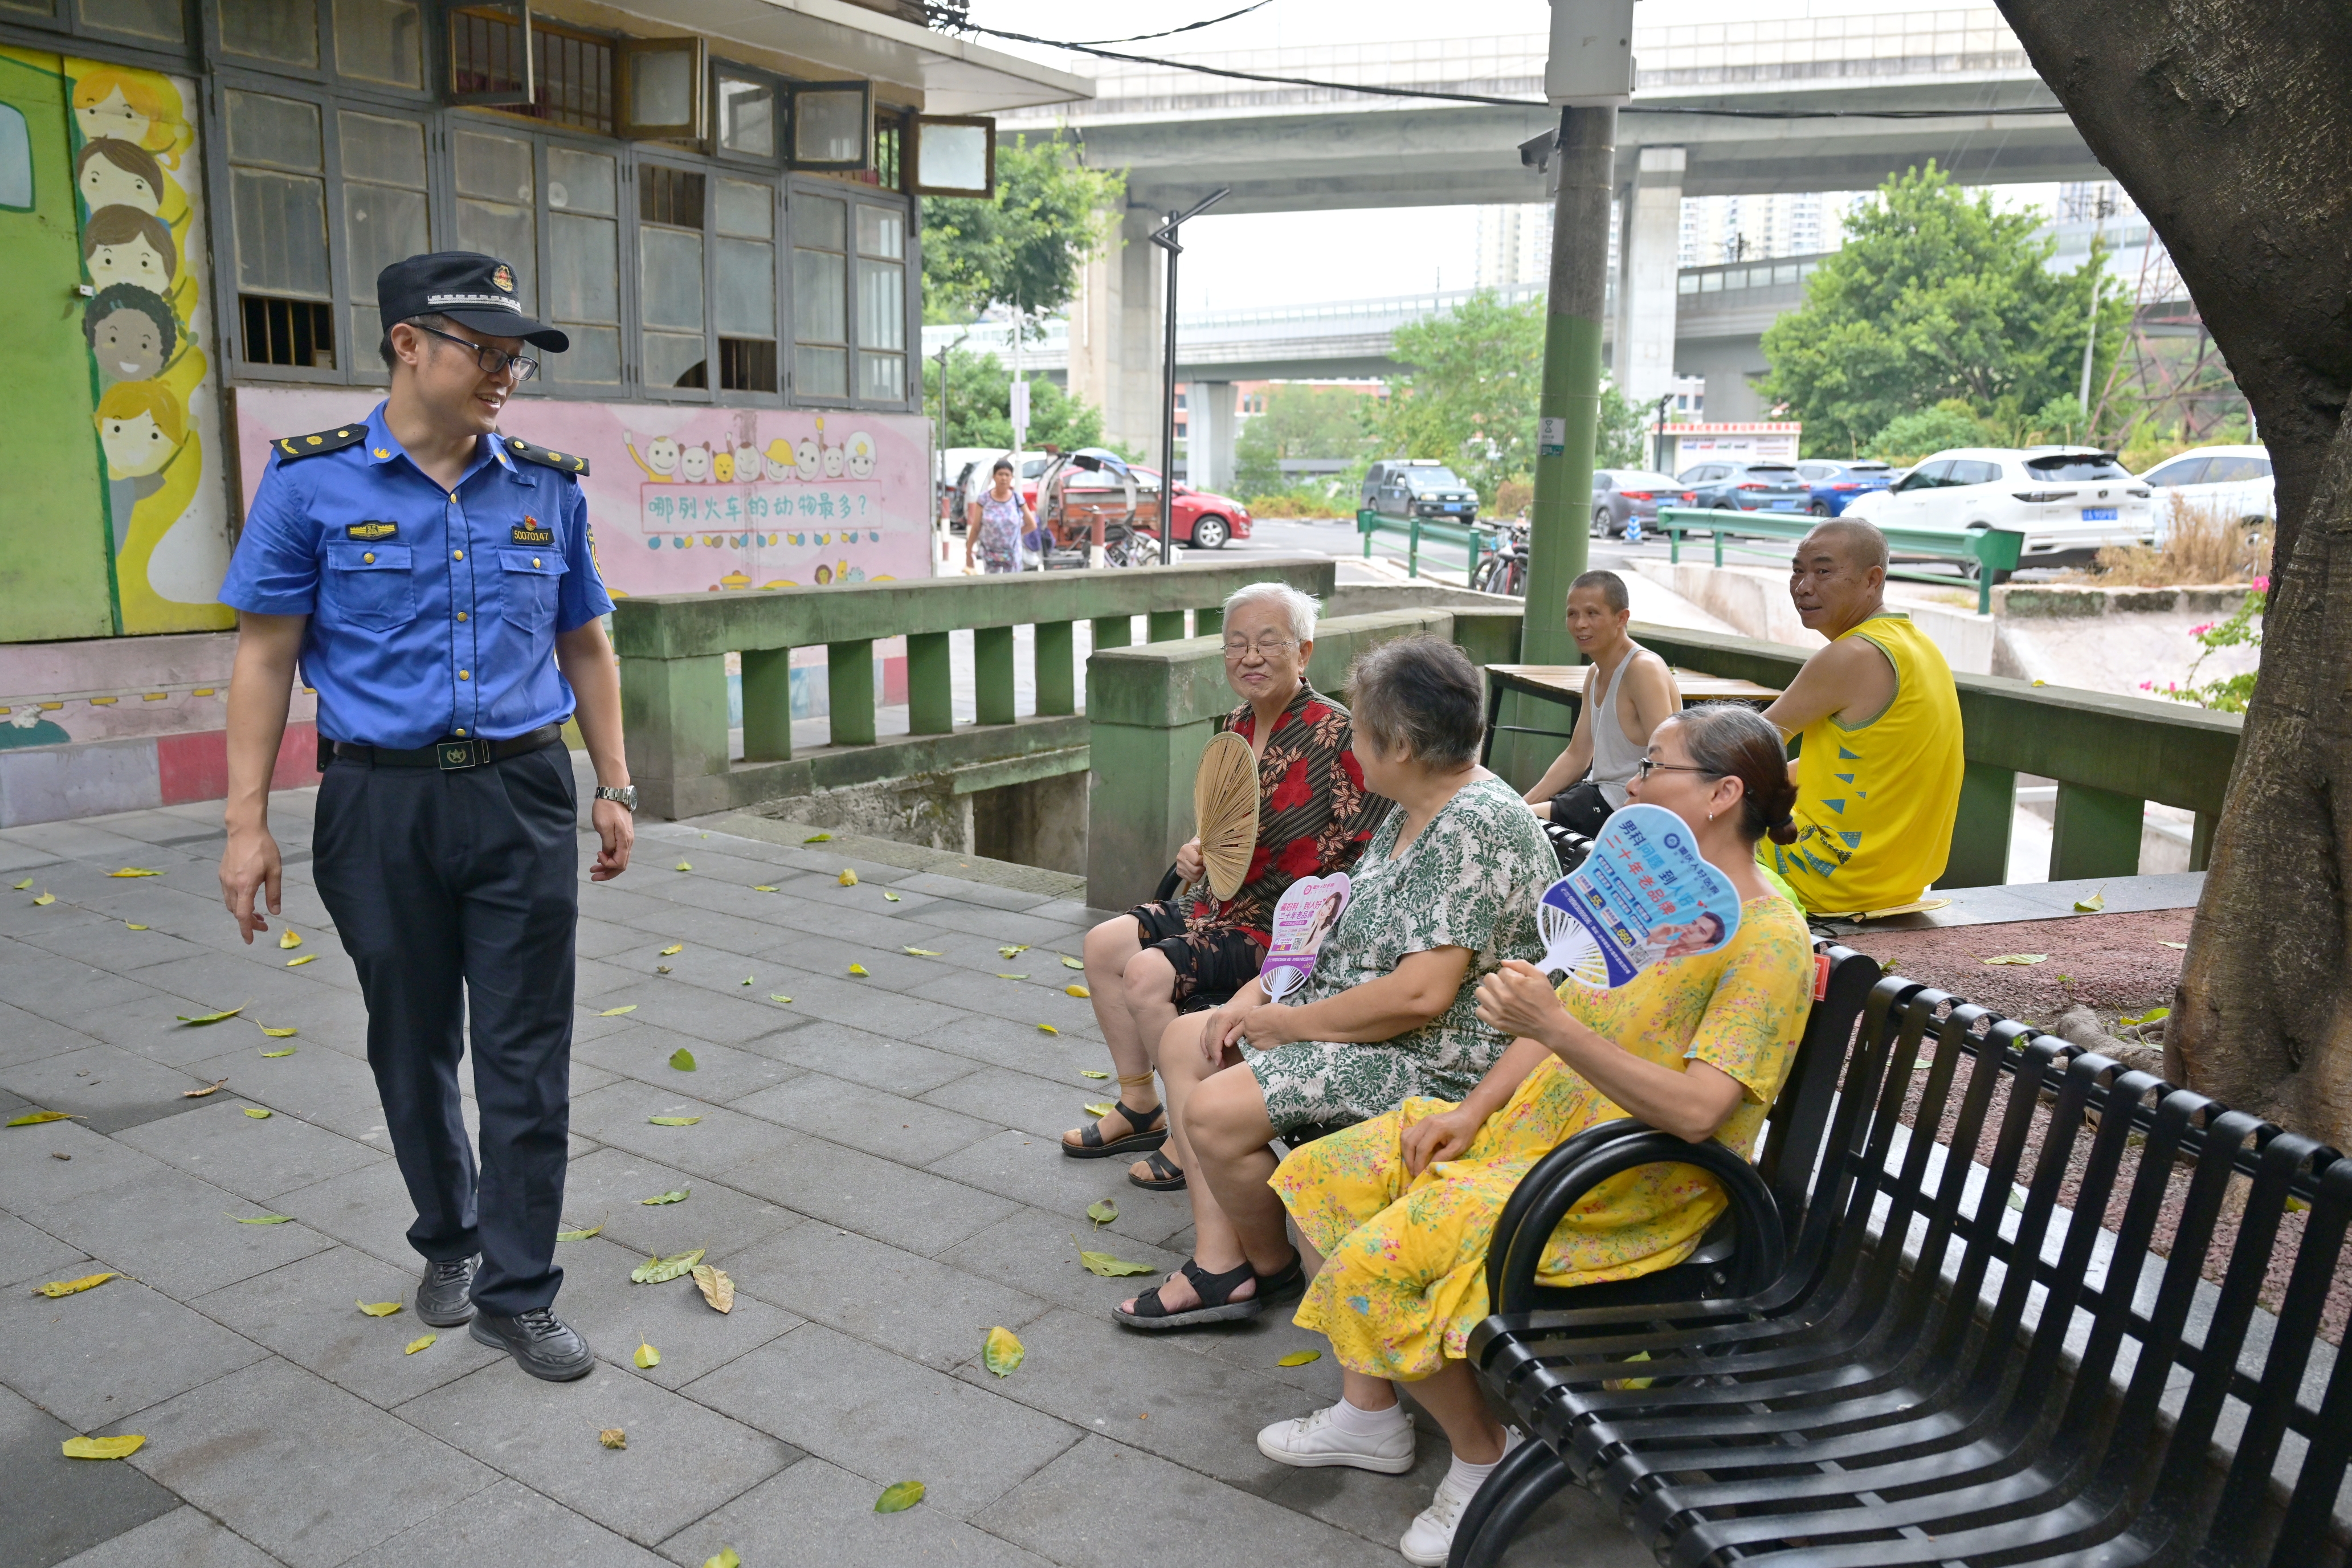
1477,541
1991,552
673,650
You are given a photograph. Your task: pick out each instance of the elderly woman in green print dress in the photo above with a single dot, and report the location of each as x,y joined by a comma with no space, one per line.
1445,893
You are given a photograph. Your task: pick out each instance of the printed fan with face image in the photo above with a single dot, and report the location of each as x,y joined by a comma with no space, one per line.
1225,809
1645,894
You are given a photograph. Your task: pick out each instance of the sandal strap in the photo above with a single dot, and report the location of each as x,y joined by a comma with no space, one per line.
1163,1168
1138,1122
1216,1289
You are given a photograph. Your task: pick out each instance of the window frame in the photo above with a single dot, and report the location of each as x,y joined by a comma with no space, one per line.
220,180
627,53
911,155
793,161
781,87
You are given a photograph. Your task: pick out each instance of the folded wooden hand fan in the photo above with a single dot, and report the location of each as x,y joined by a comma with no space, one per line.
1225,806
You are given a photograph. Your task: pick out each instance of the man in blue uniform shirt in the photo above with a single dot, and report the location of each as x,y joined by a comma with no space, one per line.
434,579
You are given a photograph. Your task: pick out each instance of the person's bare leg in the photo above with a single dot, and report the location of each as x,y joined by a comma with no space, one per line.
1451,1397
1118,969
1216,1247
1225,1127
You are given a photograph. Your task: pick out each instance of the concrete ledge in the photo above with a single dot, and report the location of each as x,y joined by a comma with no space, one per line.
837,767
2052,600
1020,770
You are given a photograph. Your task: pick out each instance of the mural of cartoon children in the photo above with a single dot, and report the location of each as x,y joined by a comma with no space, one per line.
123,245
134,106
858,452
694,464
747,463
832,455
660,459
141,428
132,334
114,173
722,467
806,460
780,460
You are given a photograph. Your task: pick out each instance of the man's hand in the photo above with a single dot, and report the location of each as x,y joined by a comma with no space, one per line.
1440,1137
614,826
1187,861
1519,1000
249,864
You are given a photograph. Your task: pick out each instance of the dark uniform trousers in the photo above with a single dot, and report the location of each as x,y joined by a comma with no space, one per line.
457,896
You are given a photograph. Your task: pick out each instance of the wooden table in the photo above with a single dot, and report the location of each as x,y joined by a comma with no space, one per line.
1564,684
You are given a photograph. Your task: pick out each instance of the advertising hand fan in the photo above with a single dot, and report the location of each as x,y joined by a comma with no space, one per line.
1643,896
1309,908
1225,809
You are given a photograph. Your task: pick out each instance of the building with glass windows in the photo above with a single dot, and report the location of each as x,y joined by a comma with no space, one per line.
717,205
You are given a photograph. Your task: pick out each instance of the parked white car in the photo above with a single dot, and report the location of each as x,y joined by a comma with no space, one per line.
2233,482
2068,501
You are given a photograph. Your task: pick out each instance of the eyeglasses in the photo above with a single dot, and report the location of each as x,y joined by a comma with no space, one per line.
1267,647
1649,765
493,360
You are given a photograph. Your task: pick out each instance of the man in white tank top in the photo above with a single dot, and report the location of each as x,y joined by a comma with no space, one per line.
1630,693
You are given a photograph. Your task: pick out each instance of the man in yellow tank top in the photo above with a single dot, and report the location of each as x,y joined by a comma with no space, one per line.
1878,776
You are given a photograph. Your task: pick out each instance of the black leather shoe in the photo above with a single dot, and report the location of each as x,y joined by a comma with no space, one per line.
543,1344
442,1298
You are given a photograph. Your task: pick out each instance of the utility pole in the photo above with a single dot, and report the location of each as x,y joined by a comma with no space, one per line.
1166,237
2100,213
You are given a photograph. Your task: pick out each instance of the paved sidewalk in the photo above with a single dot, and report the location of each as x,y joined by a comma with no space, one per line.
872,1165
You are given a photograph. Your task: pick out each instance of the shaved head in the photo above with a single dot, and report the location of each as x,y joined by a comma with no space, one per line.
1857,544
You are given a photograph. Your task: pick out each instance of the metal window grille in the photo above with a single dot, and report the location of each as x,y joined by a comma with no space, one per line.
289,332
572,75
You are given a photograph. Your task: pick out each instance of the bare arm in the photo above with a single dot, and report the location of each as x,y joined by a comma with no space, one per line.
1419,988
970,530
1571,764
1692,1104
1652,696
260,685
587,662
1851,678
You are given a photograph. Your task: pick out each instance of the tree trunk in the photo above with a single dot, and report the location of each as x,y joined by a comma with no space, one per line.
2229,121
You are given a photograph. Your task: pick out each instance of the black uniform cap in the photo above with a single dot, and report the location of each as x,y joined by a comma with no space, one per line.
474,290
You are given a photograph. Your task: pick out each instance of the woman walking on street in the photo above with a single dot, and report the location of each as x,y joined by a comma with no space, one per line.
993,524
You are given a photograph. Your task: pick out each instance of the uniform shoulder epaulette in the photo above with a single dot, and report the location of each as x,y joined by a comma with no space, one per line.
562,462
293,446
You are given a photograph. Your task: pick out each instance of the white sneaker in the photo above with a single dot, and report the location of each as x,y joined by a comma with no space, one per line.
1316,1440
1430,1540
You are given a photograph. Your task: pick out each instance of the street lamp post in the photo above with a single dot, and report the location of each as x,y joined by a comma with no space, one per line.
1165,237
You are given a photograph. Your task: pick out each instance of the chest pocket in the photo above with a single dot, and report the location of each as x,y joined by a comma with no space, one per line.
369,585
532,579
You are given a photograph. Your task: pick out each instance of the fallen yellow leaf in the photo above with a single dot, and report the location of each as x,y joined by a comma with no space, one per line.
35,1117
2182,946
203,1018
859,970
1015,951
1069,963
2094,903
200,1093
299,963
262,1218
725,1557
1001,1351
923,951
764,889
613,1437
289,938
1104,1264
1001,975
1089,1072
285,1034
1102,1212
747,980
1300,1358
616,1012
673,1120
135,872
57,1288
818,838
662,1270
1099,1107
848,879
778,996
679,1197
129,925
20,887
673,950
646,1356
896,1498
378,1309
103,1447
47,898
421,1343
580,1235
287,1052
1077,991
716,1288
892,897
1048,1029
661,969
686,865
2020,958
256,1112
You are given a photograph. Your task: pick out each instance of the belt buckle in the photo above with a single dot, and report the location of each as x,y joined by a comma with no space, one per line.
455,756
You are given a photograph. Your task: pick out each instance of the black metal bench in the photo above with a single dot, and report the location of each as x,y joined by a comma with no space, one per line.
1920,1346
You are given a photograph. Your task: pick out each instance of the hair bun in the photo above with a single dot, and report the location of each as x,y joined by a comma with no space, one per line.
1783,831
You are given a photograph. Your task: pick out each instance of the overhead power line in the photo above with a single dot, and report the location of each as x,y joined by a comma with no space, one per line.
943,18
1187,27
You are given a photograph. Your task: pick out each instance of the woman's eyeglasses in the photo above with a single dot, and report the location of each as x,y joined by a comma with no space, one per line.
1649,765
493,360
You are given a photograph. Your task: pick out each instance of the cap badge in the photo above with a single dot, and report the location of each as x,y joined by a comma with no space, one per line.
503,277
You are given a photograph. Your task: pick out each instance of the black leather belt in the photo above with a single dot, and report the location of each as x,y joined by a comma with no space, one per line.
453,753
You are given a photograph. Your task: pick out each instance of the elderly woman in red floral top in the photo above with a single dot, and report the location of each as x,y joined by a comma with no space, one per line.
1189,953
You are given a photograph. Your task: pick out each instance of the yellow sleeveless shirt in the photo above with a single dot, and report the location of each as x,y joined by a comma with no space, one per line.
1876,802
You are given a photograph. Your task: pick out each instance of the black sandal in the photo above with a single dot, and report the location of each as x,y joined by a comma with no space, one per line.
1141,1135
1167,1176
1217,1305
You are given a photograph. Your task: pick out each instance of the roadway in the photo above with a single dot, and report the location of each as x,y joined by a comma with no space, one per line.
1270,538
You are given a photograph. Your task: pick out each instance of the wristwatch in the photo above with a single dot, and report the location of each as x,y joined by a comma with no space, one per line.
625,794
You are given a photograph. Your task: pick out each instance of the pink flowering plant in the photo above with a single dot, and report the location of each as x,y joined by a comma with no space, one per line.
2228,693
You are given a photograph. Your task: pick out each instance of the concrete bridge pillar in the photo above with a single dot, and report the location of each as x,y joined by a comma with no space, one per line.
1209,427
1115,335
1649,238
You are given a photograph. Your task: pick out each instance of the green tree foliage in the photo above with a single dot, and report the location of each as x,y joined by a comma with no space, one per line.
1936,296
979,407
1327,422
1909,438
1024,248
1622,441
1470,397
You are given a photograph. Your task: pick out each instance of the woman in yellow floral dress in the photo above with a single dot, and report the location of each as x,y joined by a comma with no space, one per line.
1400,1209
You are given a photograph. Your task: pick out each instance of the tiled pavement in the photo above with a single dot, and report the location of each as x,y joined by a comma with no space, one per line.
873,1166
